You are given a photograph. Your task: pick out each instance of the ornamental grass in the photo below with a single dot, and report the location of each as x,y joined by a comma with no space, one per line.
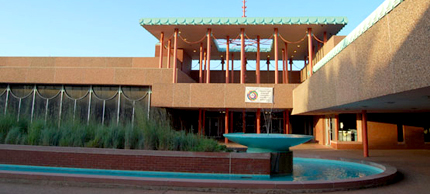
153,133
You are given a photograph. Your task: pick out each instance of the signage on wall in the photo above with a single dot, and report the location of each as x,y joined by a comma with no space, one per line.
259,94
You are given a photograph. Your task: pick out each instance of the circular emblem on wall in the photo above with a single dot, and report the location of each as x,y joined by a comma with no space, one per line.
252,95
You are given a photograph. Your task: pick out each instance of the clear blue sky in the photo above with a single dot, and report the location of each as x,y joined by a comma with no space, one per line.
111,27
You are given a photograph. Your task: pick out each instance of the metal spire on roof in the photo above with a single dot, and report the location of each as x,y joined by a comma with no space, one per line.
244,8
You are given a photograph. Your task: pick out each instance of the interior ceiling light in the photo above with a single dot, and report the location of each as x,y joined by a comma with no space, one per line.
298,45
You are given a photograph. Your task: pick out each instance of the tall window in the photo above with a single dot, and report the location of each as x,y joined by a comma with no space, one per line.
427,134
347,127
400,134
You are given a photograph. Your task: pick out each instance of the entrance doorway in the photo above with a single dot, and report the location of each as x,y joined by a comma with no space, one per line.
214,126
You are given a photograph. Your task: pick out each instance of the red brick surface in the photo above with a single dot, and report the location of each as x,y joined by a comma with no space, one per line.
235,163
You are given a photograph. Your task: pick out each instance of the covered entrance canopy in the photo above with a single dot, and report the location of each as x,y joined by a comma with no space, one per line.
291,29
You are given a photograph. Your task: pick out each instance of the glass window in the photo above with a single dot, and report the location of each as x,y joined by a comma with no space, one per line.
400,134
250,45
427,134
347,127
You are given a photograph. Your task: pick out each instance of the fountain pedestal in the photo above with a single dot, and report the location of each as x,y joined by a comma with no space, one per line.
278,145
281,163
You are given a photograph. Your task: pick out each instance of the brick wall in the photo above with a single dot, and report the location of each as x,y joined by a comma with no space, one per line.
144,160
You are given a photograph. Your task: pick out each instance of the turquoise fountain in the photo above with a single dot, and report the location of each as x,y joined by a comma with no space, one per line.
278,145
264,143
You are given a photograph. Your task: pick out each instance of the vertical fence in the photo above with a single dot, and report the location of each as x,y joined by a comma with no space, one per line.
102,104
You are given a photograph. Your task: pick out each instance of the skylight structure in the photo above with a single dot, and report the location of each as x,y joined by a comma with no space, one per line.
250,45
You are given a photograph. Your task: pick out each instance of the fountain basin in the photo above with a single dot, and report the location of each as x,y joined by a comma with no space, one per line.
268,143
326,177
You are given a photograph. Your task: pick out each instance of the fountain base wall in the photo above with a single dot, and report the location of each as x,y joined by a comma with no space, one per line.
141,160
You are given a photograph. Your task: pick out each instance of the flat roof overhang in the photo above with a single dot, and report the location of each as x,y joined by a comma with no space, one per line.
291,28
412,101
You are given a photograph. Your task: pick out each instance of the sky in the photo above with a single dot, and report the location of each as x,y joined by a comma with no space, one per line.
110,28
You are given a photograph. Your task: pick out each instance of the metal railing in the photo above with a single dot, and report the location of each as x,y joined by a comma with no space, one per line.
103,104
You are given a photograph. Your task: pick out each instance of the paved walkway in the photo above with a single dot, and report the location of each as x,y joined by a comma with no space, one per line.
413,164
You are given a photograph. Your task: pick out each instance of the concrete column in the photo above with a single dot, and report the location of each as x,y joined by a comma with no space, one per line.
168,53
232,67
291,70
336,128
200,122
286,64
208,69
204,122
227,59
160,64
257,64
287,122
242,56
306,69
258,117
243,121
310,52
275,36
175,55
283,66
200,64
231,122
284,128
325,37
364,128
226,124
205,72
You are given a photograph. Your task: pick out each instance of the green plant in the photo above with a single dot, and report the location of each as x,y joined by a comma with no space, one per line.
34,132
14,135
50,136
6,123
153,133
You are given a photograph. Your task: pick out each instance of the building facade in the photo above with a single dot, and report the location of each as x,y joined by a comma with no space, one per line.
370,89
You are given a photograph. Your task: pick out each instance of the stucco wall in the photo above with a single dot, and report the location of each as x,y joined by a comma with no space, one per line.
217,96
319,128
250,76
391,57
86,70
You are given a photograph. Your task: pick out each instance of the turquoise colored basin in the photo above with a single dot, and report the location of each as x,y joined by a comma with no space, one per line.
262,143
